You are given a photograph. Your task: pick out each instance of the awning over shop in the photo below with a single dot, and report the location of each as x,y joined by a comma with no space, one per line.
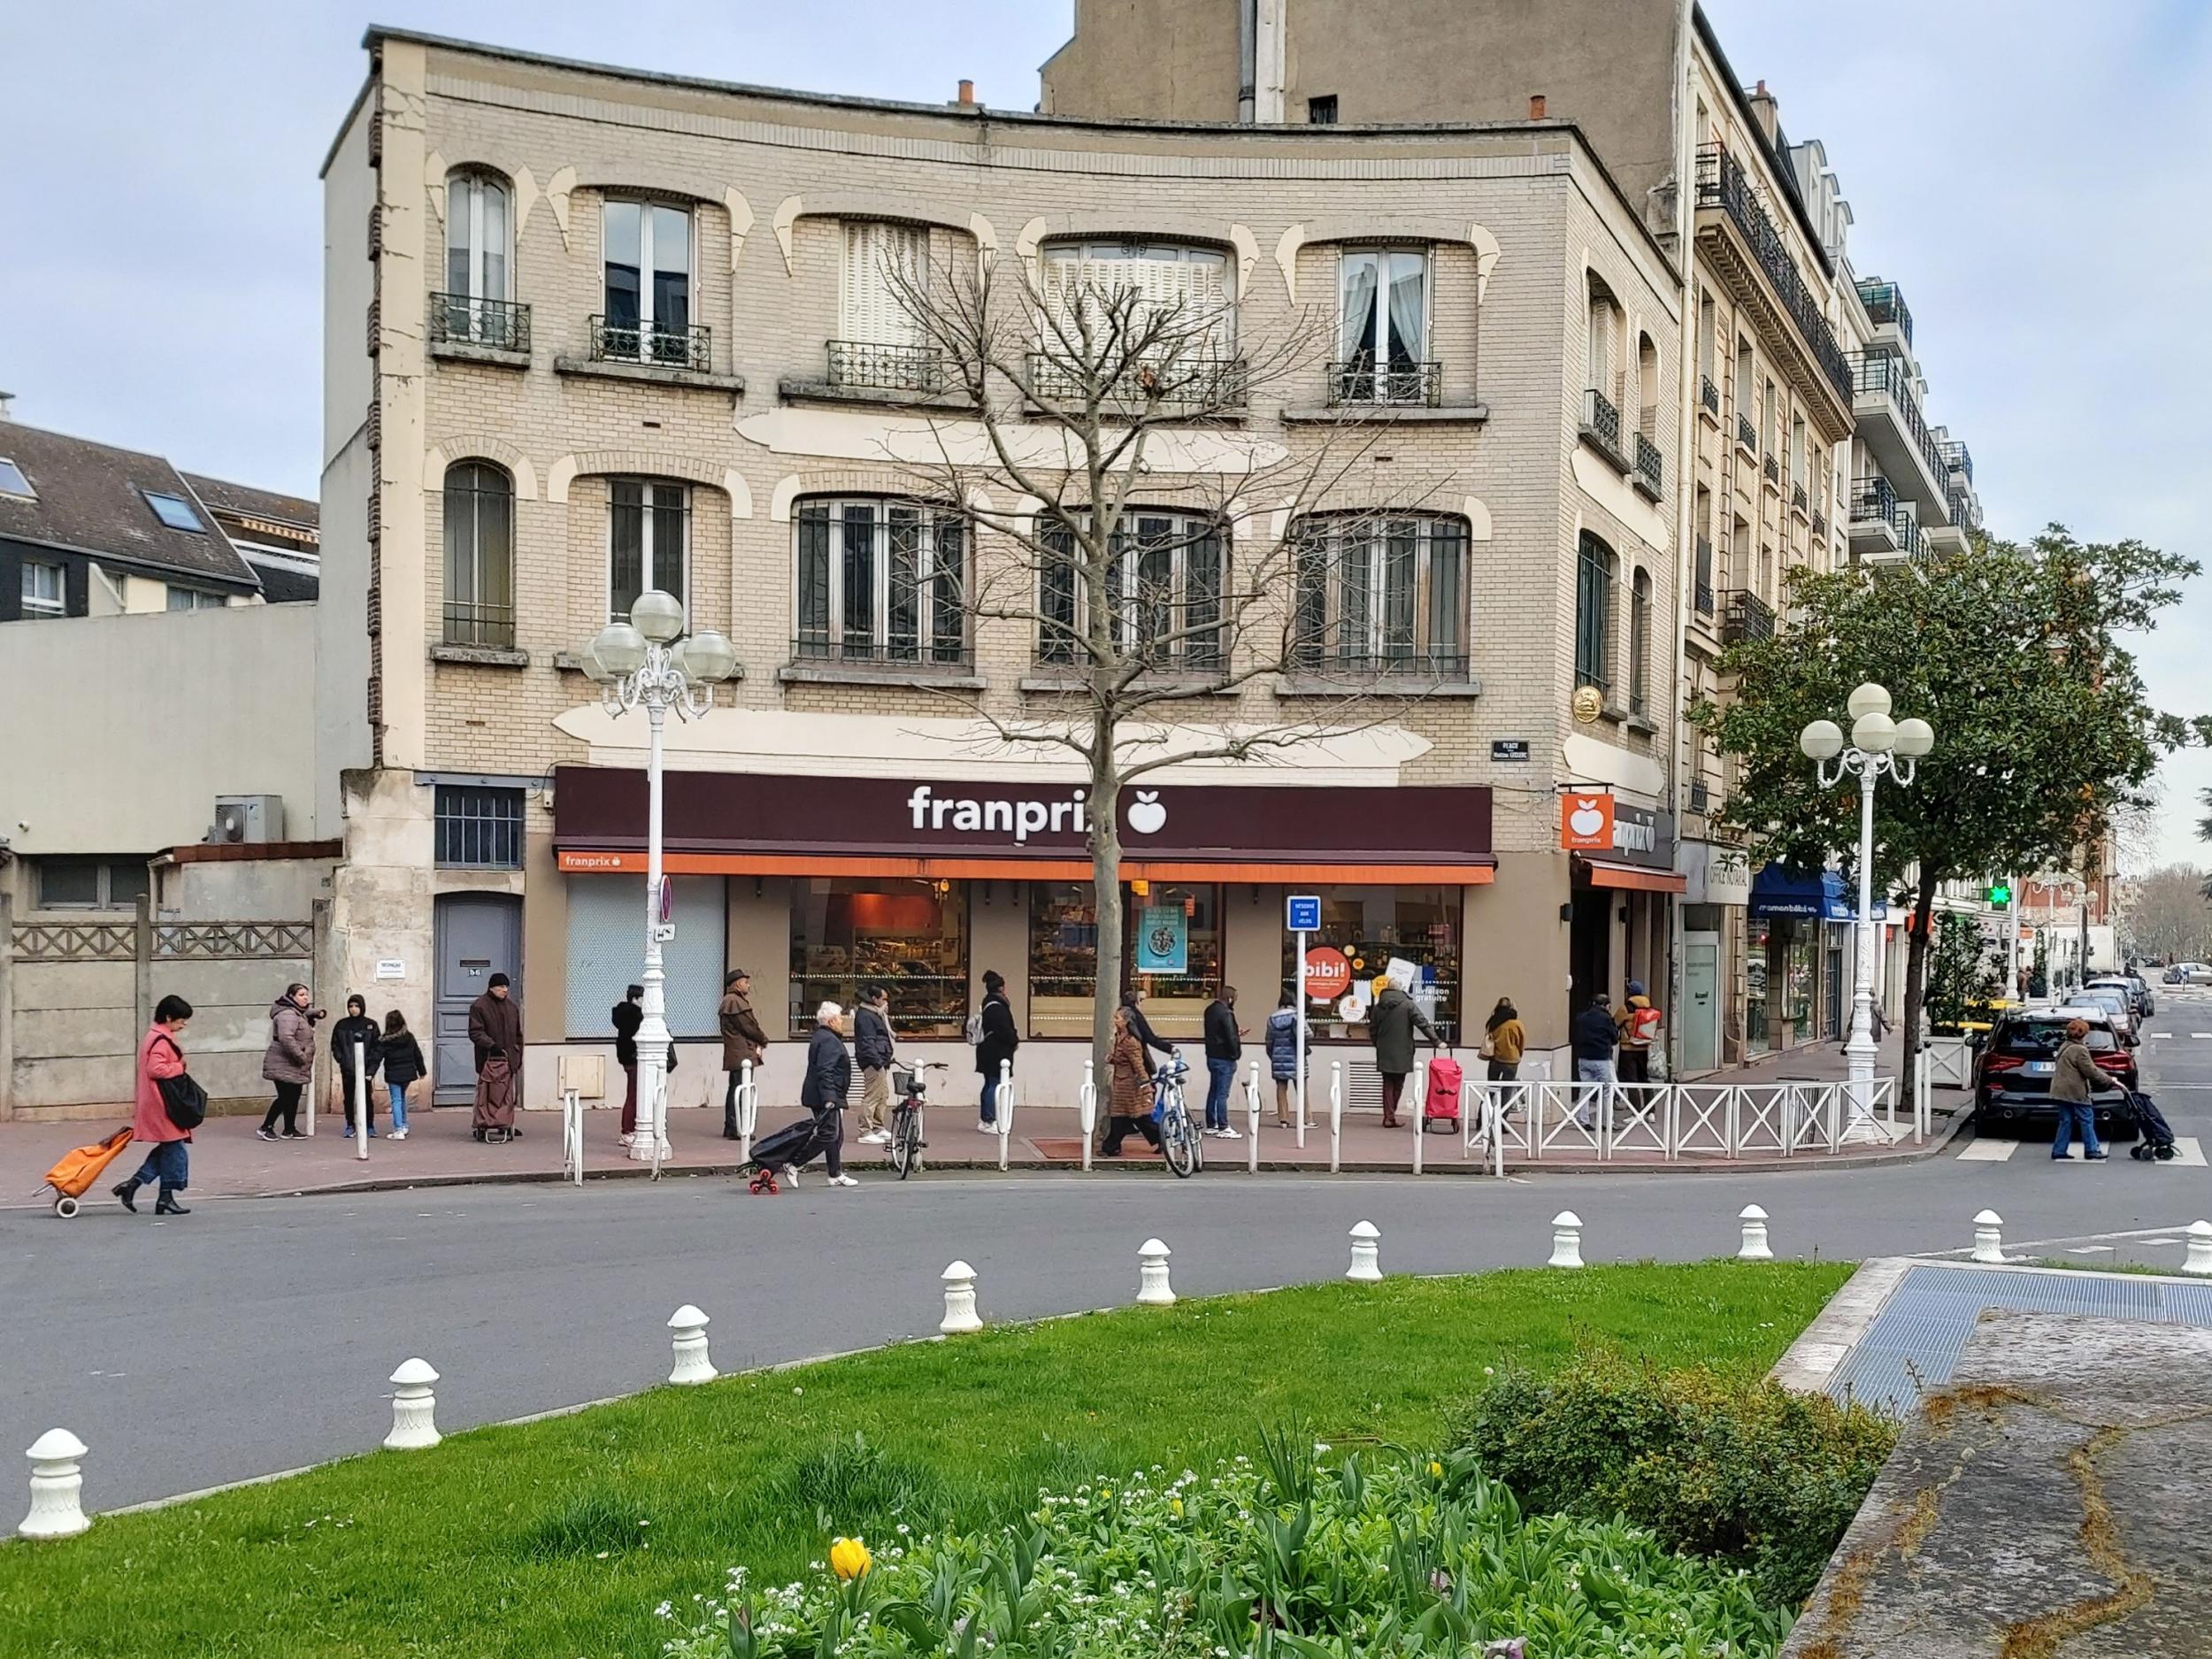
1779,891
1606,872
595,861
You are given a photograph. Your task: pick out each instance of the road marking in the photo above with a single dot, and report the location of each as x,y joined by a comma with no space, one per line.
2160,1036
2091,1249
1988,1151
2202,1036
2189,1150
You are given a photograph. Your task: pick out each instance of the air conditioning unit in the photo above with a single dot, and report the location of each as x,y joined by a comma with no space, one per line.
248,817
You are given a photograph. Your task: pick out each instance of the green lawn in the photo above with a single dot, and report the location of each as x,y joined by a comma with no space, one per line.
555,1541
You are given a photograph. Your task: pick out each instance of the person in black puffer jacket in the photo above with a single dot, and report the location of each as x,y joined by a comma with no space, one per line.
358,1029
404,1064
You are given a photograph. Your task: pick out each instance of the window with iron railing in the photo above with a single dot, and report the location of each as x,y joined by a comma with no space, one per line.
1601,420
645,256
880,581
1650,467
1164,578
1704,593
1380,594
1383,329
480,554
1596,569
1723,184
478,827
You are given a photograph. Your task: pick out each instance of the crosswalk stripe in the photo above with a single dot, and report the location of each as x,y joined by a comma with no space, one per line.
1988,1151
2189,1150
2202,1036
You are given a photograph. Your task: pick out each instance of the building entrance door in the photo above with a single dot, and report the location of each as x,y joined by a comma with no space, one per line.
1701,1002
1590,948
479,935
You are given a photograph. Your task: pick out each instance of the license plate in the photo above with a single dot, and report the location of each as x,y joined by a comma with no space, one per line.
2041,1068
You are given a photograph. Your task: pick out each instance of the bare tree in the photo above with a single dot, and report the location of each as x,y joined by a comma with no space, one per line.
2166,914
1158,546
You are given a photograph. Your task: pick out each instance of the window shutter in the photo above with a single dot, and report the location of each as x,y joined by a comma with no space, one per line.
873,312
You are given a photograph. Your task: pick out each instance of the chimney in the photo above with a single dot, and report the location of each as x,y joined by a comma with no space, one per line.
1535,106
7,405
966,100
1767,111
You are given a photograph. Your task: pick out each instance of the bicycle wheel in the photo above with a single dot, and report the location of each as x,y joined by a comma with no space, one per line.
1177,1145
906,1142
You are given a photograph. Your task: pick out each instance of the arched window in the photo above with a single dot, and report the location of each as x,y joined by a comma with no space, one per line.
1595,571
880,580
1639,643
479,239
1161,316
1381,592
1163,587
648,541
480,554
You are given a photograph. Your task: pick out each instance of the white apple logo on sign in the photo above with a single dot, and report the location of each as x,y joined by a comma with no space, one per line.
1146,815
1585,818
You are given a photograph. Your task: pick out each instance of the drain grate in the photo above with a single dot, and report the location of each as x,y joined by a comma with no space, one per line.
1922,1328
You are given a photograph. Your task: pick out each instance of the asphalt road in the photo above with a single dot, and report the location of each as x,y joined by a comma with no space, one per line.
256,1335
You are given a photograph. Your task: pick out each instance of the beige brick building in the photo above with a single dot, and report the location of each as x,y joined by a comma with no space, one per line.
590,329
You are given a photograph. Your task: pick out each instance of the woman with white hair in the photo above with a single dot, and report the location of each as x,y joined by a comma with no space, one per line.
829,1078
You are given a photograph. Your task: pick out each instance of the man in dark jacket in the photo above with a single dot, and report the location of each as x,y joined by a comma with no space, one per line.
358,1029
829,1078
1391,1022
872,1051
496,1035
1224,1047
742,1039
1595,1034
627,1015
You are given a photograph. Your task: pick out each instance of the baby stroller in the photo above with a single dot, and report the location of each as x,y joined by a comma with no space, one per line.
71,1178
789,1146
2157,1141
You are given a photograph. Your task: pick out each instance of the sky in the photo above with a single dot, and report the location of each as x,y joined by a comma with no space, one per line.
2029,170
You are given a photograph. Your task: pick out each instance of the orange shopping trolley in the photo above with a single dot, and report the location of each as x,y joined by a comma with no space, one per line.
72,1177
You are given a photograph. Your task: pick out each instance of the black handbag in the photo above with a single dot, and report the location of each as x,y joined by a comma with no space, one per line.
184,1100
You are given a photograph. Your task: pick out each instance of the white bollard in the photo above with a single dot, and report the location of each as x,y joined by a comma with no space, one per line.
1366,1253
361,1102
1756,1247
1336,1115
1005,1112
1087,1108
692,1364
960,1313
1566,1239
1252,1118
414,1409
57,1487
1988,1237
748,1112
1420,1082
2200,1257
1153,1290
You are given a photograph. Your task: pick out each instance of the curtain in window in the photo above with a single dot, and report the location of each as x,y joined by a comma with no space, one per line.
1360,285
1409,275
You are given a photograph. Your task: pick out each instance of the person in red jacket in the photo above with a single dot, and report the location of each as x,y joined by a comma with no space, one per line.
160,1055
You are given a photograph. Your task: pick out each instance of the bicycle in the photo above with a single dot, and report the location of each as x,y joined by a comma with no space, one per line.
1179,1138
906,1118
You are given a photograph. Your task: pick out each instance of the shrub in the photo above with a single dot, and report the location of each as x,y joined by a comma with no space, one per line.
1738,1469
1386,1556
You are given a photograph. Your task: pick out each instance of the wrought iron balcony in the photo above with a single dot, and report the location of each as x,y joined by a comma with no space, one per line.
871,365
1797,497
1650,466
1773,468
1701,796
1194,385
1955,457
1709,395
1911,539
478,623
665,346
1873,500
1722,184
1884,303
1747,434
907,653
1363,381
1820,527
1747,617
1326,659
1601,422
1887,373
457,319
1965,511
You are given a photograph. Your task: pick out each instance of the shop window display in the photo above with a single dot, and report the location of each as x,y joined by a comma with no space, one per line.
1369,927
908,936
1172,943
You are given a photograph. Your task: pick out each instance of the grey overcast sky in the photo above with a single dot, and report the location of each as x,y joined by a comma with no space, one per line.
2031,171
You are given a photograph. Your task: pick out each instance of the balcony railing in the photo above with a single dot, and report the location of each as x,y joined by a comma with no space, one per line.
1319,658
1873,500
1884,371
503,325
1747,434
1820,527
1194,385
1912,540
1964,513
1957,457
1600,419
922,655
1363,381
871,365
1722,183
1650,467
660,345
1704,577
1701,796
1709,395
478,623
1773,468
1884,303
1747,617
1797,497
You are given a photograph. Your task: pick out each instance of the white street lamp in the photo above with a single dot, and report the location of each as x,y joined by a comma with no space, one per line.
643,663
1878,744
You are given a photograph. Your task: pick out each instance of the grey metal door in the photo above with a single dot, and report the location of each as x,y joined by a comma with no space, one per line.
1700,991
479,935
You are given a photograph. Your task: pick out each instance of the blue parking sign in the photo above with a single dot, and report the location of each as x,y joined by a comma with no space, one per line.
1305,913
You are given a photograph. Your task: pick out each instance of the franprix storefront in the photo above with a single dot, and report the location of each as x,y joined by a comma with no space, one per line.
819,884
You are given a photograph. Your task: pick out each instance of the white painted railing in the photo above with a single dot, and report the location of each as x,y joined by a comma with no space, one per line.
1671,1120
571,1137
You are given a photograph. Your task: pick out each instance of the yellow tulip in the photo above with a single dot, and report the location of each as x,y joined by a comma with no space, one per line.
849,1558
1176,1504
1436,1469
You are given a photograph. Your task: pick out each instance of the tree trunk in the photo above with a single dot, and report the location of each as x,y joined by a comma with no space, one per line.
1916,942
1106,907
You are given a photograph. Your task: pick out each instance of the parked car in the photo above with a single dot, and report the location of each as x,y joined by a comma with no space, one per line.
2130,986
2115,1002
2196,974
2012,1083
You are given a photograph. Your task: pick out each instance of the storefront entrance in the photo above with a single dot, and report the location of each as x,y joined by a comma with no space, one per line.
1590,947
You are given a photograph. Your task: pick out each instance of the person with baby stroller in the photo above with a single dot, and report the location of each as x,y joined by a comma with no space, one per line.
829,1080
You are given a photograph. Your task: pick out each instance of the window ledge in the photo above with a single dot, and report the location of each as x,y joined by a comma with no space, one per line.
569,663
1605,452
1224,417
472,351
878,674
797,391
1709,417
1411,689
1644,725
1645,488
1193,685
1394,414
651,373
479,656
1613,714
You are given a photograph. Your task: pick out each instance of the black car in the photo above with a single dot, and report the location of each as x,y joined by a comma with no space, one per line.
2012,1081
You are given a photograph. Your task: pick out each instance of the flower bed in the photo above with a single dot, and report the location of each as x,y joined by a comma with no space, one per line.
1379,1556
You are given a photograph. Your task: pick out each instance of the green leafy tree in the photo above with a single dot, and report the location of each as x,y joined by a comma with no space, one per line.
1962,971
2015,654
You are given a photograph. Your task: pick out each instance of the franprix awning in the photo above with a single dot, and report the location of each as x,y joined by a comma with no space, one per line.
1609,872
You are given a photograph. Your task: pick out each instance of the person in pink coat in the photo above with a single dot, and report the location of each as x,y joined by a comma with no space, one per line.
160,1055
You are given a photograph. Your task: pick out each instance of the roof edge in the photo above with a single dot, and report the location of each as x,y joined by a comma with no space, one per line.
1786,176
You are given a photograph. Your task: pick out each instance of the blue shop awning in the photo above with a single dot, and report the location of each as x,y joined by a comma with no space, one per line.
1779,891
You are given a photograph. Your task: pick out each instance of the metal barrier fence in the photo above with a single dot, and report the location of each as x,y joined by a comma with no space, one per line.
1675,1121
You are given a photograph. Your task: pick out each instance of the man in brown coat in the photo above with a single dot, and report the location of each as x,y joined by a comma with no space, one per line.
495,1033
742,1039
